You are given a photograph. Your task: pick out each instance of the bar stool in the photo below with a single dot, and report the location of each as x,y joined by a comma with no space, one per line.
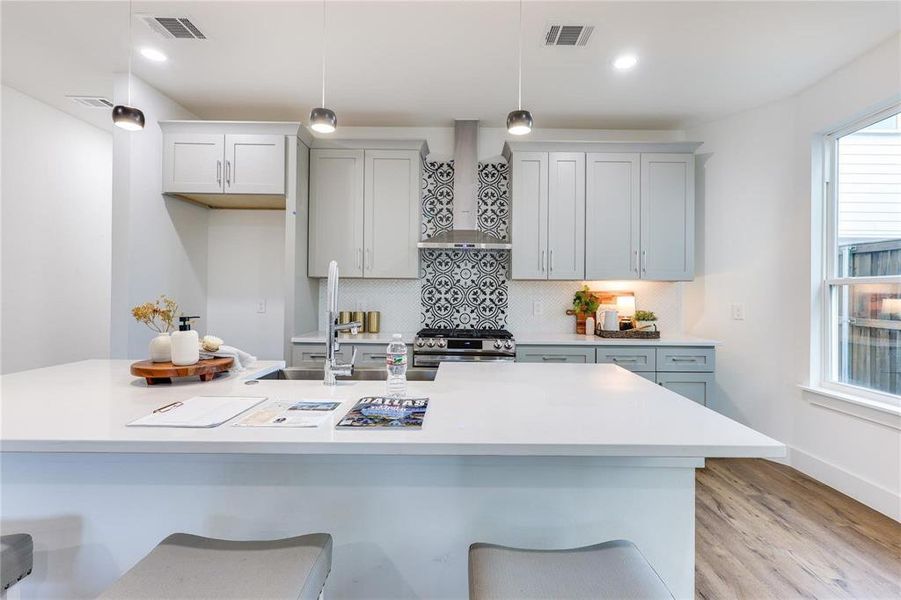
16,558
610,571
190,566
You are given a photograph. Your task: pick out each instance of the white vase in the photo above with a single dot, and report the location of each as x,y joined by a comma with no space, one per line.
161,348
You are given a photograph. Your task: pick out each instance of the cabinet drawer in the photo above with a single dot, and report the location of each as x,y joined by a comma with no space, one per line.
555,354
685,359
374,355
694,386
633,359
305,355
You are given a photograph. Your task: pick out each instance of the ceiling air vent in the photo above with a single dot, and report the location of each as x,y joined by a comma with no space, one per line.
91,101
179,28
567,35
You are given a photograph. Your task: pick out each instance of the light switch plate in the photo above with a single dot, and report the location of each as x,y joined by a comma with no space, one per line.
537,308
738,311
261,305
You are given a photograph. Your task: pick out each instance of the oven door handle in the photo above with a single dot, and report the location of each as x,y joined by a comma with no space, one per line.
432,360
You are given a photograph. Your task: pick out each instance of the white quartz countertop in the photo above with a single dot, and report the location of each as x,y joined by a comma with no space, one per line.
475,409
522,339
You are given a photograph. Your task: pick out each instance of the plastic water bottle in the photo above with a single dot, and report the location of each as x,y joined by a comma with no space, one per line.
396,359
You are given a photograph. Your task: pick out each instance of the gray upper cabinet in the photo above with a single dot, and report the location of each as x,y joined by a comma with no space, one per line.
336,211
566,215
193,163
612,216
364,210
255,164
548,221
612,211
391,213
667,217
529,223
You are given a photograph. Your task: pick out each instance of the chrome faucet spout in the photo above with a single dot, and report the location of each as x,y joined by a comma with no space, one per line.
332,367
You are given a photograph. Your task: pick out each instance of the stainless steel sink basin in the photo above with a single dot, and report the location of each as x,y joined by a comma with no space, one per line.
294,374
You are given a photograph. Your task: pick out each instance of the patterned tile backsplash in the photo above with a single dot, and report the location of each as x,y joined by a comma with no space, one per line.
470,288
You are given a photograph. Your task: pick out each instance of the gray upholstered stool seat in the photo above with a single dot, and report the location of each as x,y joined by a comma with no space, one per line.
612,570
16,558
190,566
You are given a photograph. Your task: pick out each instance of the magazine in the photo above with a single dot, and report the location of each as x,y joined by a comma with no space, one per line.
283,414
385,412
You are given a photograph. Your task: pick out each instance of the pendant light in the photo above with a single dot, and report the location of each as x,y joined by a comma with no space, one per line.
519,122
124,115
322,119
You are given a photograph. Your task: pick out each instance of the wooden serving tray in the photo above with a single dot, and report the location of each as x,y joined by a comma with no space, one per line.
629,334
163,372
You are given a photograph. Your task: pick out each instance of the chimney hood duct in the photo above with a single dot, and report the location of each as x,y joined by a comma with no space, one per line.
466,235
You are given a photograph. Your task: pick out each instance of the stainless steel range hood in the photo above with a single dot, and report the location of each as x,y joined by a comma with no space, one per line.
466,235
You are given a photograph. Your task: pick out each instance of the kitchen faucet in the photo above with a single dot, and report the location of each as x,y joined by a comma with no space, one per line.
333,368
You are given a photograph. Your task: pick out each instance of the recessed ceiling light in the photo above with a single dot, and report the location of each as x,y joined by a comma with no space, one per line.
153,54
624,62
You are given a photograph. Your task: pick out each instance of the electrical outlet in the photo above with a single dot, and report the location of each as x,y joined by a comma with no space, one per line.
537,308
738,312
261,305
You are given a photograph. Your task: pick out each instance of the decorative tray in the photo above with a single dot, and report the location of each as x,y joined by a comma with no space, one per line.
164,372
629,334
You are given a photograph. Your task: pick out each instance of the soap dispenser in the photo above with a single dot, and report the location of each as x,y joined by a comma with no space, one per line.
185,343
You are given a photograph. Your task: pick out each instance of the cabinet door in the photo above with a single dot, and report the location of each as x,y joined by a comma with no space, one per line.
255,164
667,216
633,359
193,163
313,355
529,227
612,216
555,354
683,358
694,386
391,213
566,215
336,212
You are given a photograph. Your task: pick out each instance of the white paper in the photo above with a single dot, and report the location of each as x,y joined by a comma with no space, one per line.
199,411
309,413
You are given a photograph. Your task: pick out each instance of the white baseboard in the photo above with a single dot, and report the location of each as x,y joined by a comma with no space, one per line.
864,491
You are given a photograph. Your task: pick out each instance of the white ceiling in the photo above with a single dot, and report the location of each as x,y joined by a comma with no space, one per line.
426,63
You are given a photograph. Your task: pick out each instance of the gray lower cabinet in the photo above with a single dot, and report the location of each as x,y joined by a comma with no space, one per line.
368,355
371,356
555,354
694,386
685,358
633,359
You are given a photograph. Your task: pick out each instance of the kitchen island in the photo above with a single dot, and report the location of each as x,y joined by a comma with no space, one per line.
517,454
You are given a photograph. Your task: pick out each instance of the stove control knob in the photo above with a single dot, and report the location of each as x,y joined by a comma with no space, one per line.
420,343
431,344
508,344
442,343
497,344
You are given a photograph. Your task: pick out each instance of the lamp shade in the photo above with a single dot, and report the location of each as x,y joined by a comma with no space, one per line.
625,306
128,117
323,120
519,122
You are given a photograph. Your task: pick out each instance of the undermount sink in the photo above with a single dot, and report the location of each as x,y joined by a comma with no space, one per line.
295,374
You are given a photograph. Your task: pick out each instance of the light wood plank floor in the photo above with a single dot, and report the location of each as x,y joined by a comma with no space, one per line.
768,531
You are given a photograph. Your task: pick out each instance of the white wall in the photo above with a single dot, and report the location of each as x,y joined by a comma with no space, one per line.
754,247
57,191
246,266
159,242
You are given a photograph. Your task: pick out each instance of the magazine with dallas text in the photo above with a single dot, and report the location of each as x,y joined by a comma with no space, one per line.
387,412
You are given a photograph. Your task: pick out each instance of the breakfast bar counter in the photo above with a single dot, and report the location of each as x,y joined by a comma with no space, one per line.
544,456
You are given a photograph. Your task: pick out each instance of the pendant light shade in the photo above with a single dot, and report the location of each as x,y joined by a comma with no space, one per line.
125,116
519,122
323,120
128,117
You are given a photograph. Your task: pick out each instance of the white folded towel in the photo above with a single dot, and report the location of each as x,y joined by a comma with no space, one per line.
242,359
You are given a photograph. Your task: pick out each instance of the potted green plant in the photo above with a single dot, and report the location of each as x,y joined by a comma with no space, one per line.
645,320
585,304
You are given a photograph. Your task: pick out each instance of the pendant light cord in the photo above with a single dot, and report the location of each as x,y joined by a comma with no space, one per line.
323,54
129,53
520,54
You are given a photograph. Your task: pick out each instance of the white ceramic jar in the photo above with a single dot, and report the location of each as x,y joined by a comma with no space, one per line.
161,348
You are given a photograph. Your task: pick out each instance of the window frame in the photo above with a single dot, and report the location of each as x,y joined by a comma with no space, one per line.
830,282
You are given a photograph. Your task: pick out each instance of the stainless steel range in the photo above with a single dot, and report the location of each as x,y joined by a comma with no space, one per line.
433,346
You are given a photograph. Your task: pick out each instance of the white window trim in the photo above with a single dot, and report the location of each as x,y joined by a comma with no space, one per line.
822,380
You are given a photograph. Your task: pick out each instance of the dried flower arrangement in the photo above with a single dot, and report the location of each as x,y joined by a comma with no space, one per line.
160,315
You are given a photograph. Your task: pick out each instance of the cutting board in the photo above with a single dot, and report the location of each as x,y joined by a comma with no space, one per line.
163,372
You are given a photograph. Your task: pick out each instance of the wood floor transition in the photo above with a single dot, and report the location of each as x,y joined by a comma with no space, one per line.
765,530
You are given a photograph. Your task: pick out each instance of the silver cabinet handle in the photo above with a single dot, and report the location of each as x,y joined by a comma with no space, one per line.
683,359
554,358
620,359
228,173
378,356
635,256
219,172
541,262
551,256
358,258
317,356
644,261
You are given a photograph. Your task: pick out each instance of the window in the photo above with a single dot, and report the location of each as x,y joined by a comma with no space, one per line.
863,258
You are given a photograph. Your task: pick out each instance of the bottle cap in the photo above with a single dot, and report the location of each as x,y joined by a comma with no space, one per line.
397,336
